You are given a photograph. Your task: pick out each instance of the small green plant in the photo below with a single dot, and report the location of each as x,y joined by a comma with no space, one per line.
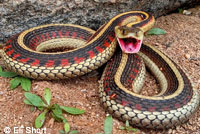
128,128
108,125
16,80
156,31
180,10
54,110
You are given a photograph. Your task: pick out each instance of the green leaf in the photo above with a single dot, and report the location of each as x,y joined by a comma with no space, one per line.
26,83
47,95
57,113
127,127
72,110
8,74
180,10
61,132
108,124
32,108
67,127
156,31
39,121
73,132
59,118
34,99
122,128
15,82
40,108
1,70
27,102
127,123
56,118
57,109
132,129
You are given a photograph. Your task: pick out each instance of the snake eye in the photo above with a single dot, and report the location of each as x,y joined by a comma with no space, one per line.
124,32
137,33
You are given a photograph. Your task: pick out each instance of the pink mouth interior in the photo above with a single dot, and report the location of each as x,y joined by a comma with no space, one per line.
130,45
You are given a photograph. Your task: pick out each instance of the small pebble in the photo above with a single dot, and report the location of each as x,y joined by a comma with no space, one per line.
71,5
113,1
84,90
187,56
79,1
58,3
1,92
2,99
186,12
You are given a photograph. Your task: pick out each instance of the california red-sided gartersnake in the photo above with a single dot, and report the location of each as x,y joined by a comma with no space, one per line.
177,101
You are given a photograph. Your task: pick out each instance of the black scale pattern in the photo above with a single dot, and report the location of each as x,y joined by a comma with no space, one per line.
81,53
145,104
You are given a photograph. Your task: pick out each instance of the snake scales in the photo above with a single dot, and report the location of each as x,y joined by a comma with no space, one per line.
176,102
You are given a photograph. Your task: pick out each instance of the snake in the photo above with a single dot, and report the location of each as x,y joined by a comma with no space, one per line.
28,54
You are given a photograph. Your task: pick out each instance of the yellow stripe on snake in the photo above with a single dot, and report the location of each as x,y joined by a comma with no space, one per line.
28,55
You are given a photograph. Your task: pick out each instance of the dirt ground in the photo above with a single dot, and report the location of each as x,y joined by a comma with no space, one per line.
181,43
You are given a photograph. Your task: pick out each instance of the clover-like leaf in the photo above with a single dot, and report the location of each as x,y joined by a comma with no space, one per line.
47,95
72,110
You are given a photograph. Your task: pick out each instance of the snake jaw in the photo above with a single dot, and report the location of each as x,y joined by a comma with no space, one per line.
130,45
129,38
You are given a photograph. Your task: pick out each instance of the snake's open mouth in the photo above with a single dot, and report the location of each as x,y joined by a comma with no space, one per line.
130,45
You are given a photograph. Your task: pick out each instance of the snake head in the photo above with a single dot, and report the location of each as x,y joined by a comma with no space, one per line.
130,39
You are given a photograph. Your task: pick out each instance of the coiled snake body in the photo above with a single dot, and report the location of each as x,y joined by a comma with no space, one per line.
176,102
